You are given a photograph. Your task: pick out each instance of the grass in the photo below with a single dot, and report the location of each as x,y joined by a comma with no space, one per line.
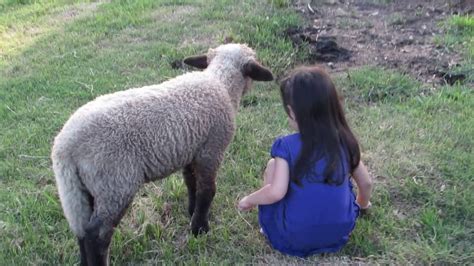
460,36
57,55
373,84
280,3
462,31
464,24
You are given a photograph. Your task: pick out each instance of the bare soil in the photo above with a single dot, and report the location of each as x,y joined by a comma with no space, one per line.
395,34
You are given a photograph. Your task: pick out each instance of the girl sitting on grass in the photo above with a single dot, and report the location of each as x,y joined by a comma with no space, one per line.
306,205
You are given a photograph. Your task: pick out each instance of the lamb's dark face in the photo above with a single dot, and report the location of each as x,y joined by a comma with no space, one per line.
237,55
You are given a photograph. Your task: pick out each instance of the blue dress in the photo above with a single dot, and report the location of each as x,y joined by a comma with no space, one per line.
314,218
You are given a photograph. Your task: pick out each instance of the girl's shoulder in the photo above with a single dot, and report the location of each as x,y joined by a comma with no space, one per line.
295,137
286,147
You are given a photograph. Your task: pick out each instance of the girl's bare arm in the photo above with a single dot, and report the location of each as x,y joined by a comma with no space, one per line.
272,192
364,185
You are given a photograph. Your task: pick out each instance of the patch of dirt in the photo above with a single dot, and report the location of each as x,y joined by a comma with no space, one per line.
399,34
322,48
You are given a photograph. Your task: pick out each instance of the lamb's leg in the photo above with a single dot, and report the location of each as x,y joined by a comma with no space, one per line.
205,190
205,166
82,248
97,241
190,180
108,211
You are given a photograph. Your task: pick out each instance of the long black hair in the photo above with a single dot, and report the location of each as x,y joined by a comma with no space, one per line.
321,122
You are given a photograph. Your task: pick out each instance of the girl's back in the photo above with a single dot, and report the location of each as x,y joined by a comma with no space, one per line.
313,217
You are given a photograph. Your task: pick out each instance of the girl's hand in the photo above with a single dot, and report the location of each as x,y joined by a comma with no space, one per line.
364,210
366,207
363,203
245,205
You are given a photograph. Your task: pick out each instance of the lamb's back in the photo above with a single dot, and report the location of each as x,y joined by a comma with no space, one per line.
156,129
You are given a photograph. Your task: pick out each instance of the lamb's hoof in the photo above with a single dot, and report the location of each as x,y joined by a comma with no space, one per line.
201,228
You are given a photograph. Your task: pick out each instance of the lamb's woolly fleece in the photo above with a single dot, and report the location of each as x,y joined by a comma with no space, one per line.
115,143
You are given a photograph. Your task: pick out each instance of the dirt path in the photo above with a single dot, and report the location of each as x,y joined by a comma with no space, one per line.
399,34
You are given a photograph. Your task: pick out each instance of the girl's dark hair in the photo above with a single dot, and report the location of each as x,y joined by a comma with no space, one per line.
322,125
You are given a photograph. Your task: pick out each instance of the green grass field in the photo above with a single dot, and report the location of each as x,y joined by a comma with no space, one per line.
57,55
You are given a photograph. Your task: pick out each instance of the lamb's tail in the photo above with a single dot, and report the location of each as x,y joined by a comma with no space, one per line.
75,199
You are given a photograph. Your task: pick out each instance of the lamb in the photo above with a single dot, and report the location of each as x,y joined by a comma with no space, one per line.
114,144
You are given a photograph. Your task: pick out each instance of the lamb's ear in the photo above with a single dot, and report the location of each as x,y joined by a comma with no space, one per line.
257,72
199,61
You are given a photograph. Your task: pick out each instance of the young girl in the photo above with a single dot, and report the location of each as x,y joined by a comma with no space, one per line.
306,204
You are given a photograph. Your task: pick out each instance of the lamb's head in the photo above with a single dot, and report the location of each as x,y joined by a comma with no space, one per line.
233,56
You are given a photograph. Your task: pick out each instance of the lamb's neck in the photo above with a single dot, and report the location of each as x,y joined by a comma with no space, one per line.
232,79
